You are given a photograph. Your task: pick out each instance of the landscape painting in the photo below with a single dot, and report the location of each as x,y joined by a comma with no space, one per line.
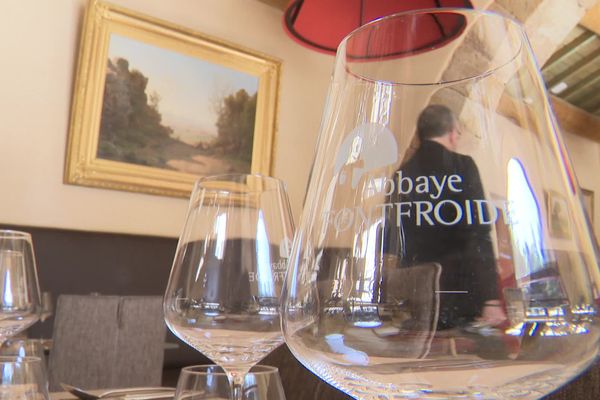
167,110
157,106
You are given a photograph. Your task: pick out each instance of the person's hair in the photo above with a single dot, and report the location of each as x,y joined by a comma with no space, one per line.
435,121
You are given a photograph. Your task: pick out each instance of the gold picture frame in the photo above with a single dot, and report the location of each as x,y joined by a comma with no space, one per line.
117,141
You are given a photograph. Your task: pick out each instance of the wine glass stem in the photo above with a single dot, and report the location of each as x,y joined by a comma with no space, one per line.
236,392
237,383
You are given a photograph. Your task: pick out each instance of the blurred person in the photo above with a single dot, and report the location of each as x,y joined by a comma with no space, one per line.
439,214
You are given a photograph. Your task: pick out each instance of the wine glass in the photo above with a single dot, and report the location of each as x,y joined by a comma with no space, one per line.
203,382
223,292
19,289
443,251
26,348
23,378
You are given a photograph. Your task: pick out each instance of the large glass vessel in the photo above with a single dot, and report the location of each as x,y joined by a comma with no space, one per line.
443,250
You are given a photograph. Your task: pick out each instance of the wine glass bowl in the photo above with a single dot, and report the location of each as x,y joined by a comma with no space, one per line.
443,251
19,289
223,293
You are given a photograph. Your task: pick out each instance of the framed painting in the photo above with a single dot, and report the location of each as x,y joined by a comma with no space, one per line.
559,225
156,106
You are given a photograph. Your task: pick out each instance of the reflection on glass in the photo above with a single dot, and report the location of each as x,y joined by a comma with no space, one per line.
11,275
525,221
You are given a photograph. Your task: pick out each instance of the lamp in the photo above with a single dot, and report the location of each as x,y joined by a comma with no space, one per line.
322,24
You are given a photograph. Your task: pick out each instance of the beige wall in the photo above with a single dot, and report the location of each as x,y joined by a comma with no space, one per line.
585,158
38,49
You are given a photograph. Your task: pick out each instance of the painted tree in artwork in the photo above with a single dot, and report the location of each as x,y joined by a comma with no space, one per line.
131,123
235,125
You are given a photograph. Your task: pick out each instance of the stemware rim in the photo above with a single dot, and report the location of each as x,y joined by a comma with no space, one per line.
224,176
274,183
15,234
202,369
445,10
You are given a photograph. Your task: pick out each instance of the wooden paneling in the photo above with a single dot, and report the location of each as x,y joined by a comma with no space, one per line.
575,120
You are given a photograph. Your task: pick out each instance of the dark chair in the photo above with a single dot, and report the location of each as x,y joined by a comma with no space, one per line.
107,341
412,296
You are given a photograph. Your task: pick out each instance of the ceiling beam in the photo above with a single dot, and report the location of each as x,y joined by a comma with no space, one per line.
570,48
575,120
574,68
578,90
591,105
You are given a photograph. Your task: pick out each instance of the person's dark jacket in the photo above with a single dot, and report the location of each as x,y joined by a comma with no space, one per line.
464,249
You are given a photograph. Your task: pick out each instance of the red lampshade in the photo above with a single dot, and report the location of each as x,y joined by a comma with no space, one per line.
322,24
